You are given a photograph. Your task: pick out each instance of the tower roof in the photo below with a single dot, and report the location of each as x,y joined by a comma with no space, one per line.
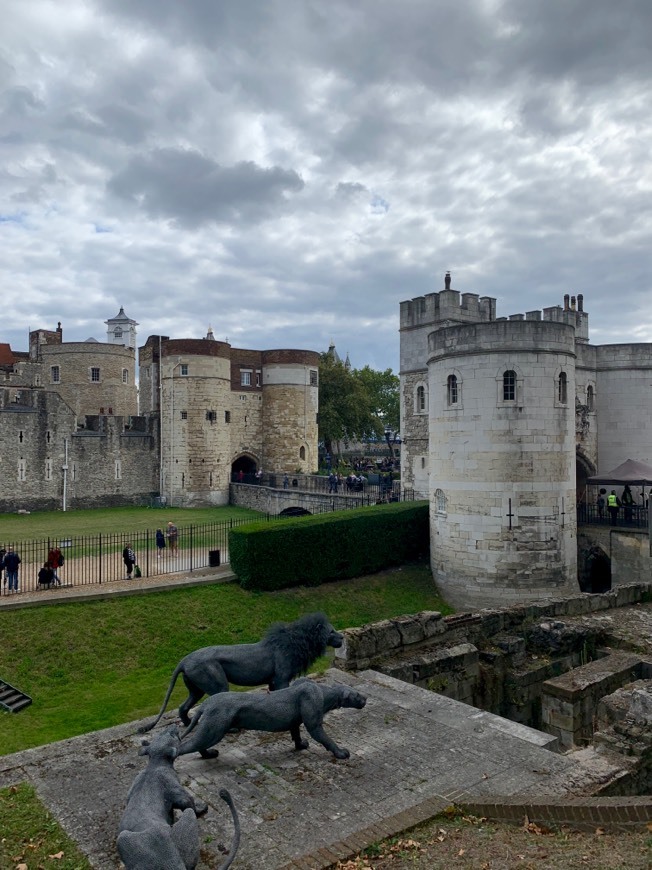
121,317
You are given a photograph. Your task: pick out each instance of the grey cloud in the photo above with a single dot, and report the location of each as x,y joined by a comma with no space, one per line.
191,188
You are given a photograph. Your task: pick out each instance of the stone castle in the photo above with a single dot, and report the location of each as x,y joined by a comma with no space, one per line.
75,433
502,420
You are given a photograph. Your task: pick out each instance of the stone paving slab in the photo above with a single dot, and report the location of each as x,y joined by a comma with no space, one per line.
412,753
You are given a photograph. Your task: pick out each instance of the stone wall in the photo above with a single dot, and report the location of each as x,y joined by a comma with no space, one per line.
628,551
480,658
111,460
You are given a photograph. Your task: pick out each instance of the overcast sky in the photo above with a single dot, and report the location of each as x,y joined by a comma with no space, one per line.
288,171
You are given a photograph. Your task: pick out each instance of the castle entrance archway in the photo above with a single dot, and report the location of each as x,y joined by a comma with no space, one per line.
596,576
246,464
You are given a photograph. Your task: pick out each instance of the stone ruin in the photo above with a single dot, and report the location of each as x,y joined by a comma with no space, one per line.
579,668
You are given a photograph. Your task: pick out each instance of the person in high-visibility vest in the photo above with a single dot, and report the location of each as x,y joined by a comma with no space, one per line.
613,503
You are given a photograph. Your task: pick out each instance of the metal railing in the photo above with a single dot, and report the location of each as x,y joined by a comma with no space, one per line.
634,517
370,487
98,559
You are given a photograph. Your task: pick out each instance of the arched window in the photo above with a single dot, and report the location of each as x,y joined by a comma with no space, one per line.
509,386
421,399
440,501
302,452
452,390
562,388
118,332
589,397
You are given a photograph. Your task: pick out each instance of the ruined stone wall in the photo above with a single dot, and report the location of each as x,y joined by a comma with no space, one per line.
491,457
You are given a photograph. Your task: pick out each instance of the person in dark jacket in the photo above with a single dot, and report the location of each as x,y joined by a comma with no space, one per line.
129,558
46,575
10,563
160,542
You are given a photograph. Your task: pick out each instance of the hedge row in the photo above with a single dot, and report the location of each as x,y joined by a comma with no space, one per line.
307,551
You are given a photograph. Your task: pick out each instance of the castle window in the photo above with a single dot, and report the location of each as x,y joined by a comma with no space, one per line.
302,453
509,386
452,390
20,437
48,469
118,470
259,377
245,378
37,380
562,388
184,370
590,400
95,375
21,468
211,416
243,398
313,378
440,501
74,471
55,374
125,376
117,332
420,400
47,436
227,416
184,415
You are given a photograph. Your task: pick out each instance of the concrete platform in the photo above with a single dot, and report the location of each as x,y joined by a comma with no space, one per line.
412,753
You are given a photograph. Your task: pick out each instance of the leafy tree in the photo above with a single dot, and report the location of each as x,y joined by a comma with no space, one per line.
355,404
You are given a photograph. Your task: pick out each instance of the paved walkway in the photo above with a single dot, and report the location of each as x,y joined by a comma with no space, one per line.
412,754
58,594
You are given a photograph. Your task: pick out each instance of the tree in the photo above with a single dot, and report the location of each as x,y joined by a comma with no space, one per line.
355,404
383,391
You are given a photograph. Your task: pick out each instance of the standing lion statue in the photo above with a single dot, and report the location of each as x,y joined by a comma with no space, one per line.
286,652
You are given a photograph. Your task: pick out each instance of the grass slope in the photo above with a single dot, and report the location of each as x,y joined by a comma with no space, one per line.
95,664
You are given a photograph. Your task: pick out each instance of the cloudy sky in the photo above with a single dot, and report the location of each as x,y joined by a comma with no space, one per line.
288,171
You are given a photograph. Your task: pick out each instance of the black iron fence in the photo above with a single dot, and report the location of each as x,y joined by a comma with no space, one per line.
97,559
634,517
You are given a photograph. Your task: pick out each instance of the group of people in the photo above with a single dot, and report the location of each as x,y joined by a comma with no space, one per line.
613,503
168,539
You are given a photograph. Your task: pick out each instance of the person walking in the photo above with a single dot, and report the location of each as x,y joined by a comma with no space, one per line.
286,481
45,575
173,537
613,503
160,543
55,560
10,563
3,553
129,558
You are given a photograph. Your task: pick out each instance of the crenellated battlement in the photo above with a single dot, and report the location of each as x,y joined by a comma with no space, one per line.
448,307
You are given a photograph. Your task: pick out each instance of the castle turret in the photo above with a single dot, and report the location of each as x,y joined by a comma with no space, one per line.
121,329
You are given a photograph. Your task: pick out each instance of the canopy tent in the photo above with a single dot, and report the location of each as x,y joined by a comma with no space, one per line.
630,471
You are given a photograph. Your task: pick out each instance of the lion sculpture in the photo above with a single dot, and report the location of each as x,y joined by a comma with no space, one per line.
286,652
304,702
149,838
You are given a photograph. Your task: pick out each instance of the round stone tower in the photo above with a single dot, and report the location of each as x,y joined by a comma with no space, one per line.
195,438
502,461
290,406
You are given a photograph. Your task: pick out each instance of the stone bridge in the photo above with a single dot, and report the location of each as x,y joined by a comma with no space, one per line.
274,500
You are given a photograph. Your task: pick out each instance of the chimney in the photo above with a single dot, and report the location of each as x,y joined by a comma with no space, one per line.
580,302
566,302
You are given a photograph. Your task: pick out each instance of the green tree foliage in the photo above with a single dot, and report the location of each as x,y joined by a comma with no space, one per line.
355,404
383,390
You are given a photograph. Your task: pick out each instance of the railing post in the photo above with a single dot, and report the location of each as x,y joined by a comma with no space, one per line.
99,553
191,546
147,553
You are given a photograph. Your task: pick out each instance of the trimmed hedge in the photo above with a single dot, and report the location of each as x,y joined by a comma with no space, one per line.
307,551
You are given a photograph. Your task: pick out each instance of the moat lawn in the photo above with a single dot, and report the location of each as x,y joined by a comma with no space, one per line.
94,664
42,525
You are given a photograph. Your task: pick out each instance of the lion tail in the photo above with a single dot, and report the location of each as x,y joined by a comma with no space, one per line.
193,722
145,728
226,797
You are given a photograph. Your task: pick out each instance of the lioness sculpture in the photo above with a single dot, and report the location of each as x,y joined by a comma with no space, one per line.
305,701
286,651
149,838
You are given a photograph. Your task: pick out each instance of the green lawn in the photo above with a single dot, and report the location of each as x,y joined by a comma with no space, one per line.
42,525
95,664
